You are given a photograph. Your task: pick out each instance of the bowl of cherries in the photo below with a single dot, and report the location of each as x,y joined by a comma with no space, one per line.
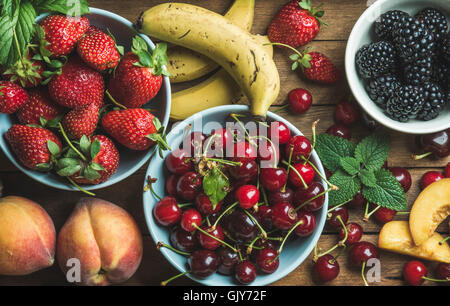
236,201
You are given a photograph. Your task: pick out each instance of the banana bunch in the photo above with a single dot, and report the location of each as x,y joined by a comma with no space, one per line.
247,65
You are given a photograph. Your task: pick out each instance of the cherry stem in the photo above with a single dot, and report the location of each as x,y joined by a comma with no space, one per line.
444,240
257,178
436,280
164,283
418,157
279,108
224,161
263,232
114,100
362,274
339,244
235,117
314,126
296,172
250,247
69,142
339,205
185,205
312,199
291,150
211,236
160,245
286,46
401,213
274,148
149,186
223,214
208,144
286,237
79,187
368,215
333,187
343,241
266,201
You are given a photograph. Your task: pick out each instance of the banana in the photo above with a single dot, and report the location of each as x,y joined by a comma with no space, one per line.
211,34
219,89
186,65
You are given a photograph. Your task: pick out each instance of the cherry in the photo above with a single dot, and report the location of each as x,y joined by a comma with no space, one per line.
245,272
241,226
357,201
193,143
447,171
167,212
346,113
326,268
222,138
268,154
247,196
285,195
204,205
306,171
248,168
279,132
437,144
182,240
384,215
300,146
273,179
370,123
443,272
267,260
414,273
188,186
190,220
302,195
300,100
264,217
208,242
402,176
203,263
340,130
354,233
307,223
178,162
243,149
228,260
171,185
332,216
361,252
283,215
429,178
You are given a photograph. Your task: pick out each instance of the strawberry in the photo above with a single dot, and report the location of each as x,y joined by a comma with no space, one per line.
101,163
134,128
12,97
296,24
36,148
81,121
138,77
40,109
63,32
77,85
27,72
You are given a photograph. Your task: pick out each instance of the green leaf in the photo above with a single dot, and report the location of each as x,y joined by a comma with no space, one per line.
368,178
95,148
97,167
387,192
294,65
8,52
66,162
69,170
71,154
215,186
44,167
91,174
53,147
350,165
373,151
66,7
331,149
85,144
294,56
348,188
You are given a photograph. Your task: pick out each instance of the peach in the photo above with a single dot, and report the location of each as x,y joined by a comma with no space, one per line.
27,237
104,238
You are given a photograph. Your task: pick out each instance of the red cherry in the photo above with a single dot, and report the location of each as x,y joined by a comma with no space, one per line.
303,195
268,154
247,196
283,215
413,273
346,113
178,162
300,100
242,149
357,201
273,179
443,272
190,220
307,224
340,130
402,176
208,242
384,215
264,217
267,260
203,263
247,170
279,132
222,138
281,196
326,268
354,233
306,171
193,143
204,205
171,184
300,147
167,212
361,252
332,216
429,178
245,272
188,186
228,260
182,240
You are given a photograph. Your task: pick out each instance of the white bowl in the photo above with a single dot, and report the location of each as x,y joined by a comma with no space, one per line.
362,34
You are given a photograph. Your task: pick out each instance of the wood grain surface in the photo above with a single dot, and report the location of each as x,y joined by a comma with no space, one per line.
341,15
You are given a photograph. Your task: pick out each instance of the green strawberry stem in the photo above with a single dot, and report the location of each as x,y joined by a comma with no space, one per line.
69,142
114,100
160,245
79,187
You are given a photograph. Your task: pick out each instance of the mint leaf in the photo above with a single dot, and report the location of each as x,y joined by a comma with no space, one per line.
368,178
387,192
66,7
373,151
331,149
215,185
351,165
348,188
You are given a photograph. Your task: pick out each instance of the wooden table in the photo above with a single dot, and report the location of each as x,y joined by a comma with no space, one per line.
341,15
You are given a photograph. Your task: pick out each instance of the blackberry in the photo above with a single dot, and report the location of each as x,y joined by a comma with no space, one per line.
444,48
412,39
381,88
405,103
435,21
385,23
418,72
435,102
375,59
441,75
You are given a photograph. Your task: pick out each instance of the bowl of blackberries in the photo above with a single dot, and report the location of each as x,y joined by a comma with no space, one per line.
398,64
236,201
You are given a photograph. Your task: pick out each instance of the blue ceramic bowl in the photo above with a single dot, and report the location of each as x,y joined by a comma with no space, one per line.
130,161
295,251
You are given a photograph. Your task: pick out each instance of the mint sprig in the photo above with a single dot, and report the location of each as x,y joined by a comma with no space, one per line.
331,149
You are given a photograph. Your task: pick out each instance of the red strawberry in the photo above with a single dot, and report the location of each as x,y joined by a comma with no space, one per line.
12,97
98,50
27,72
63,32
39,105
296,24
135,128
36,148
81,121
77,85
138,79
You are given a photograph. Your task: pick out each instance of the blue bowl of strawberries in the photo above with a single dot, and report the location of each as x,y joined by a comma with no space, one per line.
232,203
86,103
